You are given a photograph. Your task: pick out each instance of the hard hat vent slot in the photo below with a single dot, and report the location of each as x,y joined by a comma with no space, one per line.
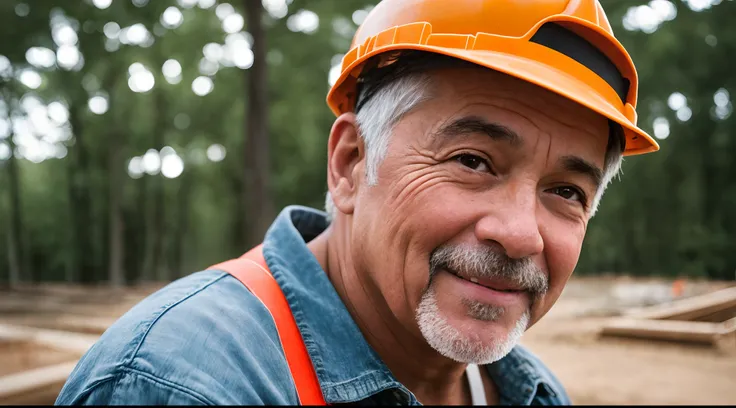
566,42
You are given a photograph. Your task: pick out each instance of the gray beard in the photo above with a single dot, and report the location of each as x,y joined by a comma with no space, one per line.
476,261
465,347
482,311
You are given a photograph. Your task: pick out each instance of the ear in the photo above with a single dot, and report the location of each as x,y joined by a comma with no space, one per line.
345,162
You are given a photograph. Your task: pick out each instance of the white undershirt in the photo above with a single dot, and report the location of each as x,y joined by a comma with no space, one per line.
477,390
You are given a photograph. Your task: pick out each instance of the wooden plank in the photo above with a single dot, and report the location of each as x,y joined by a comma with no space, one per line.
77,294
27,382
73,323
59,289
58,339
84,323
729,325
114,310
40,396
719,316
727,341
17,305
689,308
694,332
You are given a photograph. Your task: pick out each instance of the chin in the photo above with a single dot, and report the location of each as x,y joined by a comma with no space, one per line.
468,340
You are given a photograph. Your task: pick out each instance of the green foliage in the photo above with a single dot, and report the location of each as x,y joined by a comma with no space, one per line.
672,213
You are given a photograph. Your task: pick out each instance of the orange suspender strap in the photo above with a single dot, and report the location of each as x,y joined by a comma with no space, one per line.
251,269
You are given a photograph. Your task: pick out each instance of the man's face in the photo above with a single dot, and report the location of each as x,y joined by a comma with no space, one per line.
480,210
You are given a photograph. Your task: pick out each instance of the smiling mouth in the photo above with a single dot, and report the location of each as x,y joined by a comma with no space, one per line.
497,285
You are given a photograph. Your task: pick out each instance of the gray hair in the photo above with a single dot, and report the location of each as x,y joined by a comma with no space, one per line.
392,99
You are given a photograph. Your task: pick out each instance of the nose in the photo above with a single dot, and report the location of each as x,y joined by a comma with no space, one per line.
511,222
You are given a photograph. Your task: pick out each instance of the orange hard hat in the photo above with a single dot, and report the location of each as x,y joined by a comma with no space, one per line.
565,46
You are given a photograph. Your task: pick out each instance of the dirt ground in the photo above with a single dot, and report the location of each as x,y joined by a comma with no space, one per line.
594,370
602,370
19,356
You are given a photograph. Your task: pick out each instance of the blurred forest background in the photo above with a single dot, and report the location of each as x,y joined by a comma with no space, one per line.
144,140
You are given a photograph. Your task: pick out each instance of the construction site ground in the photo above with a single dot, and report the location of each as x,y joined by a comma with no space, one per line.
599,370
594,369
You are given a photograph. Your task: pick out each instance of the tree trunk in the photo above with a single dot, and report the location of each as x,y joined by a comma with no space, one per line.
138,220
257,197
115,183
72,270
116,277
159,225
17,256
81,202
181,225
15,250
155,222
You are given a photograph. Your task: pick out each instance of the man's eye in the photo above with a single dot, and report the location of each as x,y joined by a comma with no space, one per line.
473,162
569,193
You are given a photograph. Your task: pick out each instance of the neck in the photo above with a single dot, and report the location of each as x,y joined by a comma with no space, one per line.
432,378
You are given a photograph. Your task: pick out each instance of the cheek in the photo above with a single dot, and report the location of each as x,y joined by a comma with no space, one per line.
563,242
407,223
428,204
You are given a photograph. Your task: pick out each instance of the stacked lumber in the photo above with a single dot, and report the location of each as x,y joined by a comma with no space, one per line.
64,322
699,319
62,340
28,387
692,308
66,318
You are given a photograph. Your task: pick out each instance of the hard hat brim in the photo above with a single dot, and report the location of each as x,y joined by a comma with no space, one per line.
558,74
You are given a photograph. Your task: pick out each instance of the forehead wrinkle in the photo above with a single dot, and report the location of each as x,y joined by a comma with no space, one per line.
575,126
433,129
540,133
501,107
474,124
478,100
549,114
491,85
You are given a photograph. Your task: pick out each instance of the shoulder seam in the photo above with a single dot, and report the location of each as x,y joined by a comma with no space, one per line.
164,311
169,384
87,391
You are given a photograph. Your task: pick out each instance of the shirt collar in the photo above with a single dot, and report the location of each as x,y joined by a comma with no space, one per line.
347,367
521,378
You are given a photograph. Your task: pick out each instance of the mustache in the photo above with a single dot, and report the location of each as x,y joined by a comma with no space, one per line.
486,262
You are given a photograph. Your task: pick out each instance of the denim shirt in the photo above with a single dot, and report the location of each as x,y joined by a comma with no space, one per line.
205,339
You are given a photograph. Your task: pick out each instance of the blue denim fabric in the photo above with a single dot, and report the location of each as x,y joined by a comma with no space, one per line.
205,339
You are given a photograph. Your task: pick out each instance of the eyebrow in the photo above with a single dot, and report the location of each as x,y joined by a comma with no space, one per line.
473,124
576,164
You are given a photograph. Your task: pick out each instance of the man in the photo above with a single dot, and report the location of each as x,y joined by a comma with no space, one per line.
472,145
